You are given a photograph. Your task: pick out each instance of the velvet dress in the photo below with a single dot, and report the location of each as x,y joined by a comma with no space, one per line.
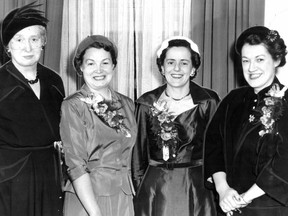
172,187
235,143
93,147
29,177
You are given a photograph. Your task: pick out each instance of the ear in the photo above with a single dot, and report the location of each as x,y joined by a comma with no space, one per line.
192,72
162,71
277,63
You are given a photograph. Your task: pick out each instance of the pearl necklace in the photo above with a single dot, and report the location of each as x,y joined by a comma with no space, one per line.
176,99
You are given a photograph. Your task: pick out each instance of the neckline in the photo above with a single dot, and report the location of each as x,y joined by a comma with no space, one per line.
175,99
33,81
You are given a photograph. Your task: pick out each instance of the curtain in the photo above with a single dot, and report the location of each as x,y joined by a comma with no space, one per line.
111,18
53,12
139,26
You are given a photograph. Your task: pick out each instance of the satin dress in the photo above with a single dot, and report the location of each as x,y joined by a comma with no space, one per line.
234,145
173,187
93,147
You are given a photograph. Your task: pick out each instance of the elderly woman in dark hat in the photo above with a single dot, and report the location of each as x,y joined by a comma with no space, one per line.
30,101
167,157
246,148
98,130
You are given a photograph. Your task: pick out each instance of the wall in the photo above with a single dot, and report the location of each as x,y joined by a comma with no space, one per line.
276,16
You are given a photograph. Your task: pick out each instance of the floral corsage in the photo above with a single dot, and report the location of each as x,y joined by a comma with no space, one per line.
166,129
108,112
271,110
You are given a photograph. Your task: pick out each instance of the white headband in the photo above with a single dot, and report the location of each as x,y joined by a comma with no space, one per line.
165,44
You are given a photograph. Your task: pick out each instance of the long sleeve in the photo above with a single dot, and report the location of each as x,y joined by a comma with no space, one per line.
213,144
140,150
273,178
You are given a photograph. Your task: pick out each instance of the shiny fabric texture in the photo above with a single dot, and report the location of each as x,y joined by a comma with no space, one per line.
171,191
117,205
233,145
29,178
92,147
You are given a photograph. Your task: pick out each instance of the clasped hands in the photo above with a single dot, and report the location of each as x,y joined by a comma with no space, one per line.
231,201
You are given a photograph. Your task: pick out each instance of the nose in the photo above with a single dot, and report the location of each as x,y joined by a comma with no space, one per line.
177,67
252,66
97,68
27,45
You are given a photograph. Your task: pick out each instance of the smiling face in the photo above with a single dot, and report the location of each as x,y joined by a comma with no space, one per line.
26,45
178,67
259,68
97,68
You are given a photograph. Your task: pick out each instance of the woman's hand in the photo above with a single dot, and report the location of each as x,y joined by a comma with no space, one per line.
228,197
229,200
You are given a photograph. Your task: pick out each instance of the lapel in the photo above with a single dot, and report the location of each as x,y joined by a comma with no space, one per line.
249,127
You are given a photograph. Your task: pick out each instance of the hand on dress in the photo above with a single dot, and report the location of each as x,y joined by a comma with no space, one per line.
230,200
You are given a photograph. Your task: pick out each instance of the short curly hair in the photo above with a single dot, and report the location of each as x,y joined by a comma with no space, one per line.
262,35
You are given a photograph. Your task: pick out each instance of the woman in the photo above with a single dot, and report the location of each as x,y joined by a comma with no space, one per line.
167,157
98,130
246,148
30,100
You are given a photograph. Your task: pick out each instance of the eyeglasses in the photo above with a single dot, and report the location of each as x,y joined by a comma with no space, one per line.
34,42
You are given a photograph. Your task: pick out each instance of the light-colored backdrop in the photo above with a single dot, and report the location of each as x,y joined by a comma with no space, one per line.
276,16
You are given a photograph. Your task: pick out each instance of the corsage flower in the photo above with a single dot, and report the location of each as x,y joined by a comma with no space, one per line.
271,110
166,129
108,112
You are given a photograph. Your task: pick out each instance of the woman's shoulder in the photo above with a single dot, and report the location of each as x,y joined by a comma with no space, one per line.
123,97
150,97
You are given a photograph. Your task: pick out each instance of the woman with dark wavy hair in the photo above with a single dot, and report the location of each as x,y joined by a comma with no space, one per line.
246,148
167,157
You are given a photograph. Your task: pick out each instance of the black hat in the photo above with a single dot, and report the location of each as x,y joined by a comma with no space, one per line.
260,31
19,19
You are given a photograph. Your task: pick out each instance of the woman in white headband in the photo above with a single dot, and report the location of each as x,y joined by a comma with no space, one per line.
167,157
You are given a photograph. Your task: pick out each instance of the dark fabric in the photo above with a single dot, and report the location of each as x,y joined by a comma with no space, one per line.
53,10
172,191
233,145
19,19
29,178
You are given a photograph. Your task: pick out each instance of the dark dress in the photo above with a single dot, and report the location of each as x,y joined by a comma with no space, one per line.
233,145
174,187
29,178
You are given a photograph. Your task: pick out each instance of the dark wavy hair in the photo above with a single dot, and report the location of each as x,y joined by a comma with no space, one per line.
270,38
195,57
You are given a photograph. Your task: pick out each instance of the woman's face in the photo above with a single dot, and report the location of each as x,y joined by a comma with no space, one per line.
26,46
178,67
97,68
259,68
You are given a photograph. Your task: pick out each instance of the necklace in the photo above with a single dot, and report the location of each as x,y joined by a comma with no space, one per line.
33,81
176,99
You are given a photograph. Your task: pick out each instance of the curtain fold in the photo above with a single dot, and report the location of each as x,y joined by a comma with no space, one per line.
111,18
138,27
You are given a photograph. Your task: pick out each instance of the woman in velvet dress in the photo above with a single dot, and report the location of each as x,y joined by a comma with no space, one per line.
246,148
167,157
30,100
98,130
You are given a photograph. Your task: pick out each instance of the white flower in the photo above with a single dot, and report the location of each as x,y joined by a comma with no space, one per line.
276,92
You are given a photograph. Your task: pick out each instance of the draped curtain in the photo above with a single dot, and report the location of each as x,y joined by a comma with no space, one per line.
138,27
